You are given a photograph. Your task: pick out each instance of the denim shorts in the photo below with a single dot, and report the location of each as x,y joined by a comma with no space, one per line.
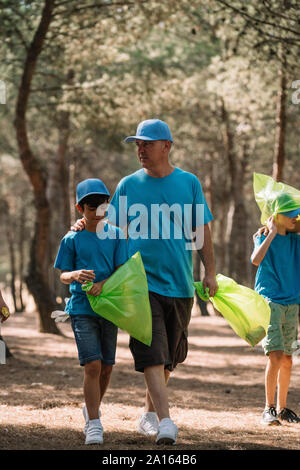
96,339
283,329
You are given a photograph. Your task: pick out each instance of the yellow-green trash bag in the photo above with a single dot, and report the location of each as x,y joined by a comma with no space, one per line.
246,311
273,197
124,300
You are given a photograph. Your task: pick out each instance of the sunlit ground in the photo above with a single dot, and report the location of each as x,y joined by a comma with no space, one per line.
216,396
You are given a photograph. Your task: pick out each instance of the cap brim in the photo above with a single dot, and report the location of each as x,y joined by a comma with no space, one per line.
293,213
133,138
92,193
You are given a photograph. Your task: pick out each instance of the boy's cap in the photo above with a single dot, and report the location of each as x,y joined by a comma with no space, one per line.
283,201
151,129
90,186
294,213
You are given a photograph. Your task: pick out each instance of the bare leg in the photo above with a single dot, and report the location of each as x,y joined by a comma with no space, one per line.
104,379
91,388
156,385
284,381
271,375
148,402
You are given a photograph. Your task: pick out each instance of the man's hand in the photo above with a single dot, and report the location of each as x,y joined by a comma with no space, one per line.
97,288
210,282
78,226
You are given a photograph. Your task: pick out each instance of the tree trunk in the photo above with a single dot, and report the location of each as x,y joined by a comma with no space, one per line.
37,279
12,258
237,215
21,251
279,150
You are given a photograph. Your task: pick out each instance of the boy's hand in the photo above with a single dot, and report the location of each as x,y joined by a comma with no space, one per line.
4,313
83,275
78,226
266,229
272,228
97,288
262,230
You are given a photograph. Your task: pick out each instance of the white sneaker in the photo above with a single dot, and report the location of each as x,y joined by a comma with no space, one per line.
86,417
148,424
167,432
94,433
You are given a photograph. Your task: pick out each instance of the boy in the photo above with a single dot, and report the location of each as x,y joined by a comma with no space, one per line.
277,256
86,256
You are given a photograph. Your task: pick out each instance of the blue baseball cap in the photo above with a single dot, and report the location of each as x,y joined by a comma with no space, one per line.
151,129
90,186
293,213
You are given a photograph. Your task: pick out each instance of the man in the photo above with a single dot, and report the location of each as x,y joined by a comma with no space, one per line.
159,189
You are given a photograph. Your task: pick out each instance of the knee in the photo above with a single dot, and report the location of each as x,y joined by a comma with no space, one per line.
92,369
286,361
275,357
106,371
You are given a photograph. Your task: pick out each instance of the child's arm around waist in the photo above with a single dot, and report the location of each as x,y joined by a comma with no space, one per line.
81,275
260,252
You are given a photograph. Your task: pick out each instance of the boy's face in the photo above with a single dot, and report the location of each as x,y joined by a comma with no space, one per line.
91,213
289,223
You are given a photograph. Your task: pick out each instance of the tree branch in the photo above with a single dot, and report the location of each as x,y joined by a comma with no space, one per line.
257,20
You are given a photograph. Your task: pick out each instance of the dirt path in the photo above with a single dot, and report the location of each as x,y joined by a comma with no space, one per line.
216,396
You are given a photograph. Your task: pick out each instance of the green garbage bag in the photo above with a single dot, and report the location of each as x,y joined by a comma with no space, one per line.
273,197
246,311
124,300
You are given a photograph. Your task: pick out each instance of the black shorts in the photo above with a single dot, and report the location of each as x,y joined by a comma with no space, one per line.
170,320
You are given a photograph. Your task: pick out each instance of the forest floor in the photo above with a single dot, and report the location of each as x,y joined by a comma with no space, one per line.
216,396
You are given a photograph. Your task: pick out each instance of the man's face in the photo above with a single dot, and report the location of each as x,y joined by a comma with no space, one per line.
151,153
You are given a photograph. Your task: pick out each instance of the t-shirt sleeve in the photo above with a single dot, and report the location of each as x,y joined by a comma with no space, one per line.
65,259
121,253
117,210
201,214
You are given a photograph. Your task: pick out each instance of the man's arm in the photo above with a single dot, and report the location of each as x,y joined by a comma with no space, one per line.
260,252
207,257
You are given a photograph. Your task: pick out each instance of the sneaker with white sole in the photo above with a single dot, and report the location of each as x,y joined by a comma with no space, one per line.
269,417
94,432
167,432
148,424
86,417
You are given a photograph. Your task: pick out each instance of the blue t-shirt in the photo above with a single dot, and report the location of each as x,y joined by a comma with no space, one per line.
161,213
278,275
84,250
